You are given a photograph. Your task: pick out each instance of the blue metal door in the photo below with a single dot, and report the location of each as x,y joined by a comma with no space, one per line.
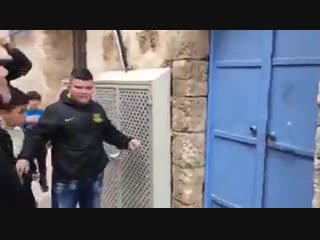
262,118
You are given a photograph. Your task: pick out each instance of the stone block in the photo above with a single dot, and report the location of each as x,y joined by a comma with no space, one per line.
190,69
189,88
188,150
153,48
145,48
183,44
188,186
190,78
189,114
178,204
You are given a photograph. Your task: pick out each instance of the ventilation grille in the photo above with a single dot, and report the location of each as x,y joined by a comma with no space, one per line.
127,181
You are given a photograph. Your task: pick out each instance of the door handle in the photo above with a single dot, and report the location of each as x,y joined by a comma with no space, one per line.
272,136
253,130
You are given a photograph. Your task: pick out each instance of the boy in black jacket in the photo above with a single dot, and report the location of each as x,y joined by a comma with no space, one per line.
15,192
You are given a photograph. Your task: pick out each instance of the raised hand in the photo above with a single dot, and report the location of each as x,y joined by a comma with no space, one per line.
134,144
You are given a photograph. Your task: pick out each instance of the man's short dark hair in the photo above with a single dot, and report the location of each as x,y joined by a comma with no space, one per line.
18,98
82,74
34,95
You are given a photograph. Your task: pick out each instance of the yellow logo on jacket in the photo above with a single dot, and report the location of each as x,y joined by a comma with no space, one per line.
97,118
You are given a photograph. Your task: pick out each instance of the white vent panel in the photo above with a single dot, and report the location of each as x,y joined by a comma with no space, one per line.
138,104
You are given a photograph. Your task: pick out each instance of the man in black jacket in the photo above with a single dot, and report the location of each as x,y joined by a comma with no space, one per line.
77,128
15,192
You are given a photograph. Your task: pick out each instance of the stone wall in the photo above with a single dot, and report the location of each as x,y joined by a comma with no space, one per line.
95,52
51,53
188,124
186,52
29,43
316,197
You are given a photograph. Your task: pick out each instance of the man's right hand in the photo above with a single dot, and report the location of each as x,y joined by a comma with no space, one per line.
22,166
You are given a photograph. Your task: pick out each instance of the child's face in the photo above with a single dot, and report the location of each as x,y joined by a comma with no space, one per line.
14,117
34,104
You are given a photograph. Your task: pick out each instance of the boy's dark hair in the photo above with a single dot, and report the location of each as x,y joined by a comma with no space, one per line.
18,98
34,95
82,74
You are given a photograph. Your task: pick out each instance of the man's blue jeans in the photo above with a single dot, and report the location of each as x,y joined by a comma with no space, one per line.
68,194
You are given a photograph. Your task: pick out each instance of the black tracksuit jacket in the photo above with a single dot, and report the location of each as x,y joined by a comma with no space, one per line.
12,193
77,134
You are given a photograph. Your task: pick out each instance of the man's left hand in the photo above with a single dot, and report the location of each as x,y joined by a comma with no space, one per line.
134,144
